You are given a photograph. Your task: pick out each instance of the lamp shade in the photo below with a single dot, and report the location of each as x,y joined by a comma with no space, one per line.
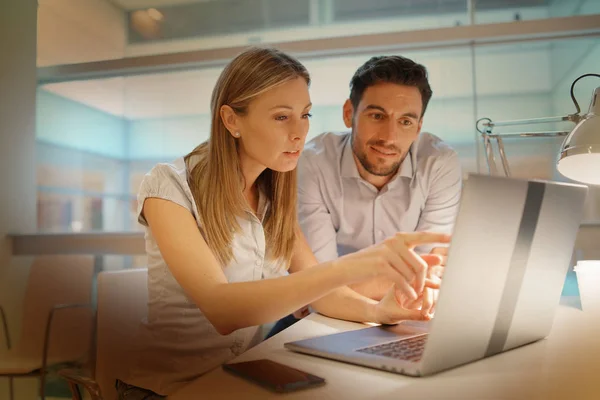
579,158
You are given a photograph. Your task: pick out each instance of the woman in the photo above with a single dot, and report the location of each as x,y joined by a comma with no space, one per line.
222,233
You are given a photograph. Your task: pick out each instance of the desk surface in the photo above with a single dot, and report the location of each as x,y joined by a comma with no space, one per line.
565,365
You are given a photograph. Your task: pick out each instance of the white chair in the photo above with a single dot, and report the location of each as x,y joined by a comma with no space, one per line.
57,319
122,304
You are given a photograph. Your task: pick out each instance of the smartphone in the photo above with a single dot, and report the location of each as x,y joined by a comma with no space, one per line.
274,376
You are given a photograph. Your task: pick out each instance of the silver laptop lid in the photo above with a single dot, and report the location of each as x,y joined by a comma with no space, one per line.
510,251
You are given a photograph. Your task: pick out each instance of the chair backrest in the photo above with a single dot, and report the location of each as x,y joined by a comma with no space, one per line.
56,280
122,304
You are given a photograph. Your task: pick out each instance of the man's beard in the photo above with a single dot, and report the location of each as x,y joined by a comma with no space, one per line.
372,168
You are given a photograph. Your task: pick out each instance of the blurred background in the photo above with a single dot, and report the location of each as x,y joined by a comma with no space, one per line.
93,93
97,137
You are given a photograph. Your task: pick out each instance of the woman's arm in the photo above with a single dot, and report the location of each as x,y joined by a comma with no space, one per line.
343,302
231,306
348,304
378,287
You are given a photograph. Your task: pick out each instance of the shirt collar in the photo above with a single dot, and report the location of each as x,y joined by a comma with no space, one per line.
350,170
348,167
263,205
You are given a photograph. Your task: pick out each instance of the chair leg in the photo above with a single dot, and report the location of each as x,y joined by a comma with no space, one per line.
76,394
43,385
11,389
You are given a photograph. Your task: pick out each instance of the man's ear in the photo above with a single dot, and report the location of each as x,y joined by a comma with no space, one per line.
348,113
230,119
420,126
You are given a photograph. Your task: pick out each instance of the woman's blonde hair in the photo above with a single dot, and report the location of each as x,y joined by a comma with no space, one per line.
216,179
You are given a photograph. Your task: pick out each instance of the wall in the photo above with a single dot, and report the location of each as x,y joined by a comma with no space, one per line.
166,138
74,31
17,155
64,122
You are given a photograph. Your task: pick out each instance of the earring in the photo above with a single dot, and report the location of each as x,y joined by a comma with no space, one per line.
237,134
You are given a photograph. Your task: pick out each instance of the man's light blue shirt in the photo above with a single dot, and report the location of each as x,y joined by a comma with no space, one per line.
340,212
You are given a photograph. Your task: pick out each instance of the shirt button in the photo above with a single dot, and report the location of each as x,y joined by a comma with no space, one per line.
258,263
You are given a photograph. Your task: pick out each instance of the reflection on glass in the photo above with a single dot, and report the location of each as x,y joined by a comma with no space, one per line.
97,139
75,31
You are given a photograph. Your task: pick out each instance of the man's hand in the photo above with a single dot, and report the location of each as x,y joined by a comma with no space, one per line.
428,299
389,310
395,260
442,253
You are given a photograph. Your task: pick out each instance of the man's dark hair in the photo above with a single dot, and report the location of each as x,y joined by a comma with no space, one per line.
390,69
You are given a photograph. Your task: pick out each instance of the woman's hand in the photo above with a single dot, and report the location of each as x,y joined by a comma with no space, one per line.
390,310
396,259
442,253
425,304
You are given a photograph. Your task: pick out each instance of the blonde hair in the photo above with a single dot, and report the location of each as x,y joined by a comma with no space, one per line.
217,181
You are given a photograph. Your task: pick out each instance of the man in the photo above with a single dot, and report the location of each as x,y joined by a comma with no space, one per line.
384,176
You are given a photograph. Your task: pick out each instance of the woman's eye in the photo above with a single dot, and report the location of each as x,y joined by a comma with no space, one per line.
307,116
281,117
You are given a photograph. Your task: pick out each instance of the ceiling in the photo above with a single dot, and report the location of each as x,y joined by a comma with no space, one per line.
188,93
147,96
75,31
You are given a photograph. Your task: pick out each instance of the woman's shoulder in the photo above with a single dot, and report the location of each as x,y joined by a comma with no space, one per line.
168,171
165,177
167,181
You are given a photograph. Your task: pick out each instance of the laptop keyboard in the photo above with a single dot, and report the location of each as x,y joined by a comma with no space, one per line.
410,349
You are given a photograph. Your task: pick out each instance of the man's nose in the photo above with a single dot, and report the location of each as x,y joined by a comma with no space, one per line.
389,132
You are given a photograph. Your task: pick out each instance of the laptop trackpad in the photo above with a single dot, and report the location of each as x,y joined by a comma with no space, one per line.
408,327
382,334
343,342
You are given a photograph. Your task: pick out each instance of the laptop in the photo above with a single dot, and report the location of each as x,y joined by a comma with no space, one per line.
510,252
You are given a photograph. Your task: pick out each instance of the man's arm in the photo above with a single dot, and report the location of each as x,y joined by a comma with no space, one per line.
313,216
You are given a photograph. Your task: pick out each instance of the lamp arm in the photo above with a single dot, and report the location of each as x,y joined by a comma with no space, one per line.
485,127
573,86
570,118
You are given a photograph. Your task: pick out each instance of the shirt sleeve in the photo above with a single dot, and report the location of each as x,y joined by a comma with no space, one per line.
441,205
163,182
313,215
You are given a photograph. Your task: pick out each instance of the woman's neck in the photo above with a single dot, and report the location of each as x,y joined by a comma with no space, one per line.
251,170
252,197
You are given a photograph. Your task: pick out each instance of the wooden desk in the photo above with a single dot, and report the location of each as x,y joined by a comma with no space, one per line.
564,366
